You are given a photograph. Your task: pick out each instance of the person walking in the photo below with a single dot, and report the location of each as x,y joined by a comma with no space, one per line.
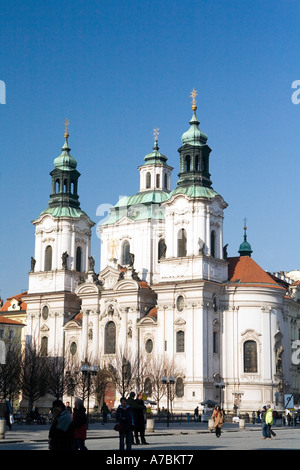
139,419
80,425
61,433
104,411
264,428
269,422
218,418
124,417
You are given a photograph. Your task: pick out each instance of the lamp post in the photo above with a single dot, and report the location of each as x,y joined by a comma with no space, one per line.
221,386
168,382
87,371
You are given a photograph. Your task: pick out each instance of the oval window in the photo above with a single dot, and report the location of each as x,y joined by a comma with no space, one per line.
45,312
180,303
149,346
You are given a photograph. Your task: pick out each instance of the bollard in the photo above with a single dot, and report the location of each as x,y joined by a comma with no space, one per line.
242,424
2,428
150,425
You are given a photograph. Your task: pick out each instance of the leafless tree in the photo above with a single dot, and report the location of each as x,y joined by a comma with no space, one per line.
33,377
10,371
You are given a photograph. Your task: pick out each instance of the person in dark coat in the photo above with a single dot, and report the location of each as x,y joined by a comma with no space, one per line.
139,416
124,417
61,433
80,425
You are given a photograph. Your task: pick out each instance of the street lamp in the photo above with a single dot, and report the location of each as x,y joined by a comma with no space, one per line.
168,382
221,386
87,371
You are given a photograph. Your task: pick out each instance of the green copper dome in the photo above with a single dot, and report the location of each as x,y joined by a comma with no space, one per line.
194,136
65,161
155,157
245,247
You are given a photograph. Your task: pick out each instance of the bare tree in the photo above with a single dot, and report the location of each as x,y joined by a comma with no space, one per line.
123,369
10,371
33,377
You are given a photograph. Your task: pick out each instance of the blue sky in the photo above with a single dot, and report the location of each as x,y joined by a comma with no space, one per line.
118,70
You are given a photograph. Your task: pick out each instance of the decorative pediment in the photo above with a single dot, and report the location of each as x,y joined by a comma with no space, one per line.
126,284
180,321
87,288
44,328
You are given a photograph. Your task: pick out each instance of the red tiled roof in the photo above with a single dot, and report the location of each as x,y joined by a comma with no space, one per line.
8,321
18,297
245,270
152,313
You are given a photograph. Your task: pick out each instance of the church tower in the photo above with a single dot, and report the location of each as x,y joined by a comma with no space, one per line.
62,254
194,210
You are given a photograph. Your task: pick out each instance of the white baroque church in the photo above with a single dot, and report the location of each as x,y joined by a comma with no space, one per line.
166,285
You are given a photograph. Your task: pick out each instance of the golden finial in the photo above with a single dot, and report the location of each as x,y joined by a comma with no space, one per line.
67,122
193,95
155,133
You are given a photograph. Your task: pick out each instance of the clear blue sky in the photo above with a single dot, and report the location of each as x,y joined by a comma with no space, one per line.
119,69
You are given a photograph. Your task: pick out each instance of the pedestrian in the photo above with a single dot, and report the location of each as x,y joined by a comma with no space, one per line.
80,425
61,432
253,417
68,407
104,411
269,422
218,418
139,419
133,405
196,414
264,428
124,418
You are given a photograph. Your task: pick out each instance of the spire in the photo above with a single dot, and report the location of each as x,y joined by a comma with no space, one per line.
65,178
194,136
194,154
245,247
155,156
65,161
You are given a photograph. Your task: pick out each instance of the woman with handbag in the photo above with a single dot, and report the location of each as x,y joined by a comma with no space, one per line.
124,418
218,418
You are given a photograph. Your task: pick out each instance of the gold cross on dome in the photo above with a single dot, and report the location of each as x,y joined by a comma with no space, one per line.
193,95
245,223
67,122
156,134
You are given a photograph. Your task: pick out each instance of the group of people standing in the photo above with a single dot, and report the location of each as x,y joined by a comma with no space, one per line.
68,430
130,417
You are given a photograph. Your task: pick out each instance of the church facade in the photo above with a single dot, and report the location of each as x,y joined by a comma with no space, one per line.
166,286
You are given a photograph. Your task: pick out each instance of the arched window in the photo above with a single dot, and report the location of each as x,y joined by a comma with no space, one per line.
158,181
148,180
110,338
125,258
166,181
162,248
187,163
179,388
148,387
48,258
213,243
57,185
250,356
72,187
44,346
65,186
78,258
180,341
197,163
181,243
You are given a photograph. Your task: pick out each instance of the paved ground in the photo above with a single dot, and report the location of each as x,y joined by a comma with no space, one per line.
177,438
